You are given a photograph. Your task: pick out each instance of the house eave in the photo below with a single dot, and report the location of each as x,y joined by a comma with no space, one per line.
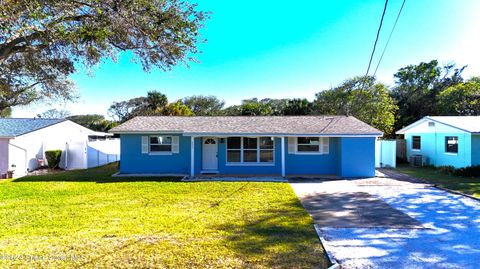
248,134
427,118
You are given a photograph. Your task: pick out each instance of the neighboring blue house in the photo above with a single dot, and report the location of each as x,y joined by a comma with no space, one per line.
248,146
445,140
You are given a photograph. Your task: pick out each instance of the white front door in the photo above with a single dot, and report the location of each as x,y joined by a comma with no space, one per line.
209,154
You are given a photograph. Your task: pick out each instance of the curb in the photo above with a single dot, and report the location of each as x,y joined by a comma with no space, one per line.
457,192
333,263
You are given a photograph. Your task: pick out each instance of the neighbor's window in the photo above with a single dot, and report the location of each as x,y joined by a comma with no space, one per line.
250,149
451,144
416,142
160,143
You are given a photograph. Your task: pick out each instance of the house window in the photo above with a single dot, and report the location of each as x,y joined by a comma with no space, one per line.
160,144
319,145
416,142
250,150
451,144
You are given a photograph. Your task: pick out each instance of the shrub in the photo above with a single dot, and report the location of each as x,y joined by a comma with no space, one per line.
447,169
53,158
470,171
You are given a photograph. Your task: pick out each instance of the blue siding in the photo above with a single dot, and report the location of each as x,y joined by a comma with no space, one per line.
307,164
133,161
433,147
348,157
475,150
357,157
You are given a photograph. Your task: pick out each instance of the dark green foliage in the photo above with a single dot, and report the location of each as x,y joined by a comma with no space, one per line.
298,107
469,171
204,105
41,40
53,158
363,98
154,104
93,122
446,169
462,99
417,87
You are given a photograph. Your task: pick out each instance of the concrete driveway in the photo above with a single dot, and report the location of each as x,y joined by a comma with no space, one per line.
387,223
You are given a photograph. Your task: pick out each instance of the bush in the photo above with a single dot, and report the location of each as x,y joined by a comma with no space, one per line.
447,169
53,158
470,171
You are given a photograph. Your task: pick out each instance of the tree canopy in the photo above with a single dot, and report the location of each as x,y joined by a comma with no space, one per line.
204,105
54,114
417,87
93,122
154,104
462,99
42,40
363,98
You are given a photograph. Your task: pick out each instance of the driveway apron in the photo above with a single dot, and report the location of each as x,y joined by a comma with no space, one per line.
388,223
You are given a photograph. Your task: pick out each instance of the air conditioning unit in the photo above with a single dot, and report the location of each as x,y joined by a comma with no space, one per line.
418,160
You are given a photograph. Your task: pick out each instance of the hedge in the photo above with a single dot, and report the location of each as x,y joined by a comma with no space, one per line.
53,158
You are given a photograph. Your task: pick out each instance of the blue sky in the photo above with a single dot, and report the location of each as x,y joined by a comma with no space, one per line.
290,49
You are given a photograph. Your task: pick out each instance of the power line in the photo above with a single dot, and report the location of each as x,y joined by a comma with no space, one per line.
389,37
376,39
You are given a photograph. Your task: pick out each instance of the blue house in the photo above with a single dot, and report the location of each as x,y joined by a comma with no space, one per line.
284,146
444,140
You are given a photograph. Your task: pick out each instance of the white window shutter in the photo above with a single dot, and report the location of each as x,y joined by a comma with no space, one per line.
175,144
292,143
325,145
144,144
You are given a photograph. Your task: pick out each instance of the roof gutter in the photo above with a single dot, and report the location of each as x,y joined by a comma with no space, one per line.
249,134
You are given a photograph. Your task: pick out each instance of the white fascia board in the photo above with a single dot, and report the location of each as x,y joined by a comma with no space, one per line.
281,135
146,132
246,134
424,119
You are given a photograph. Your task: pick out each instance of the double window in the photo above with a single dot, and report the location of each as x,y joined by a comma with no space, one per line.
416,142
160,143
451,144
250,149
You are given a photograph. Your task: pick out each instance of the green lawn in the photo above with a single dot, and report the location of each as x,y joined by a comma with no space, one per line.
463,184
84,218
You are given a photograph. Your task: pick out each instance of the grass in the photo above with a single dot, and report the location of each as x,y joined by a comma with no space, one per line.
463,184
87,219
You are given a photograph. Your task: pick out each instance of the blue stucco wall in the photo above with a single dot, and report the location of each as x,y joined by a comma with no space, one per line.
475,150
357,157
433,147
308,164
133,161
262,169
348,157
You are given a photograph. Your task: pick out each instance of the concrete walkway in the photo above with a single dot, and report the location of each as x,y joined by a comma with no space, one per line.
410,224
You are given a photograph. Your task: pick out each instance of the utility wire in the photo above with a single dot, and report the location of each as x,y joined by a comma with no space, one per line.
389,37
376,39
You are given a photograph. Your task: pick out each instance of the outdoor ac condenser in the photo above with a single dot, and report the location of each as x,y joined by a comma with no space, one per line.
417,160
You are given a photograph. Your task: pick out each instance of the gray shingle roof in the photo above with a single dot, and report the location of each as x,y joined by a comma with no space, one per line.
280,125
11,127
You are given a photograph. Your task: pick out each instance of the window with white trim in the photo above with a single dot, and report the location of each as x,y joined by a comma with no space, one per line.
250,150
318,145
416,142
160,143
451,144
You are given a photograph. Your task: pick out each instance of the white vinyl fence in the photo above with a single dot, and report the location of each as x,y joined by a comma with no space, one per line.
82,155
103,152
385,153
